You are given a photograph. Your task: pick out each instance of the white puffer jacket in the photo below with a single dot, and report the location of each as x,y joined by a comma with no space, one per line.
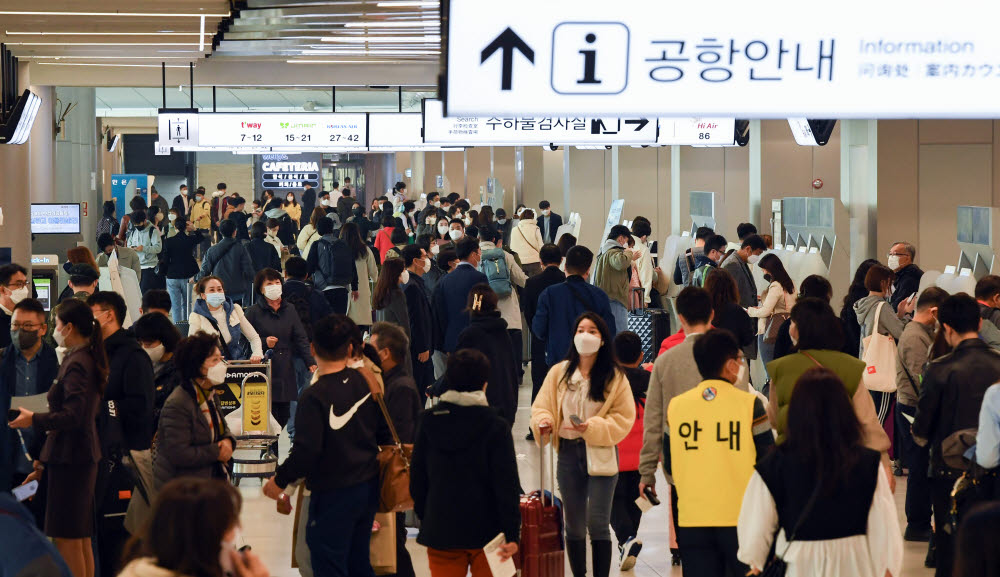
526,241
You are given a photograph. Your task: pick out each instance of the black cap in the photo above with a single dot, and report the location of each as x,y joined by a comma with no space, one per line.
82,273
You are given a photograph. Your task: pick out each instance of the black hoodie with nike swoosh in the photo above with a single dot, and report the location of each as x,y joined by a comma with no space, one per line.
338,429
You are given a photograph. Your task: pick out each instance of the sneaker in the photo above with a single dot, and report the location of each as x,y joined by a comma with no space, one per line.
675,557
917,535
630,551
931,560
530,436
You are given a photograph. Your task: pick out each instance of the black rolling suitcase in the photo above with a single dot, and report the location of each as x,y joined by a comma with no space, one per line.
652,326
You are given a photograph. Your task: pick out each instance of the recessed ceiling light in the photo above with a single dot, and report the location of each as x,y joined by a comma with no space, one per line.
382,39
114,65
409,4
150,33
115,57
102,44
342,61
373,52
395,24
122,14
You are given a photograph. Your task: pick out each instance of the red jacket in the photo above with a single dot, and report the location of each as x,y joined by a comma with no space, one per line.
383,242
671,342
631,446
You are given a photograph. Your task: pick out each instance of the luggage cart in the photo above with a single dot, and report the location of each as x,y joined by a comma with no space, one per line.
255,455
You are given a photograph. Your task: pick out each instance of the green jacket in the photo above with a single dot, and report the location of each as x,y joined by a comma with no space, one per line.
611,271
785,372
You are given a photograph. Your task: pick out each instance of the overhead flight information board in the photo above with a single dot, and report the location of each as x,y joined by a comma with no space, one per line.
224,129
857,59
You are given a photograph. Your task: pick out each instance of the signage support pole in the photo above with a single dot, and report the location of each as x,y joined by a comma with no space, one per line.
400,97
163,73
465,171
191,82
213,99
567,208
675,190
755,175
333,99
614,172
491,162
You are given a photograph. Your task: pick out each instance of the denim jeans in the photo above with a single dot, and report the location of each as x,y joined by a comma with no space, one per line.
302,376
177,289
620,313
766,353
340,529
586,500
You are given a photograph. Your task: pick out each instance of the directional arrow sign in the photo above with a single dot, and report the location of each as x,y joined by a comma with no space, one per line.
639,123
508,41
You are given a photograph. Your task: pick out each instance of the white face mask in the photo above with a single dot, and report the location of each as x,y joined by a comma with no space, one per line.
586,343
355,364
437,204
430,220
434,251
171,217
467,221
60,337
893,262
225,557
18,295
405,277
456,234
427,264
741,375
216,374
291,198
752,259
501,221
546,212
272,292
443,229
155,353
325,202
215,299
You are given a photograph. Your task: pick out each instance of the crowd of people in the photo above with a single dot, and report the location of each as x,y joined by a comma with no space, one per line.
409,322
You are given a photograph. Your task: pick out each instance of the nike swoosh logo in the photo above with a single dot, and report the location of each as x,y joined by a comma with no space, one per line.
338,423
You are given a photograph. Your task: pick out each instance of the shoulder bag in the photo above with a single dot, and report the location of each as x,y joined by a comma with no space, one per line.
393,460
880,358
776,566
775,321
243,349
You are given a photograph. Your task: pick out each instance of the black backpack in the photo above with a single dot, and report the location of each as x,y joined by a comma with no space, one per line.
302,306
333,262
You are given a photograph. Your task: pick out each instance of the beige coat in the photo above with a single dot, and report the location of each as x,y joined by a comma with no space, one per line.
360,311
526,241
774,300
607,428
307,236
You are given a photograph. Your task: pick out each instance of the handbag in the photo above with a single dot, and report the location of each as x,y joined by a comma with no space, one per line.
774,323
393,460
776,566
602,461
880,359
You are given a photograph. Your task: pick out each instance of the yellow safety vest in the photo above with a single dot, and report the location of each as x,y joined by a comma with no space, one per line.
712,454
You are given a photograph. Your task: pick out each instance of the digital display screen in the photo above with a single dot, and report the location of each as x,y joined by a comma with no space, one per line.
55,218
43,286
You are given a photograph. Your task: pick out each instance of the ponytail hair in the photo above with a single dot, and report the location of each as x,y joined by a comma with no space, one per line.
75,312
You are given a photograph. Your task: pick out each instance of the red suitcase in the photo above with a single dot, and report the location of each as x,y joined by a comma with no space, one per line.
542,550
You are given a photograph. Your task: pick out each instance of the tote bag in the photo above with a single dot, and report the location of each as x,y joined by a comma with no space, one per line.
880,359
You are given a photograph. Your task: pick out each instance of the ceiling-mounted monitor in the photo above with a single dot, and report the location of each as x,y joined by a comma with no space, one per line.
811,132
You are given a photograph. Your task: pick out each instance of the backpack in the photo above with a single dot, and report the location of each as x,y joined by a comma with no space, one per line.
699,275
304,308
494,266
107,226
332,262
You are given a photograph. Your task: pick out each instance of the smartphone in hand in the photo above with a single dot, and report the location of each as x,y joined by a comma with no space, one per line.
576,420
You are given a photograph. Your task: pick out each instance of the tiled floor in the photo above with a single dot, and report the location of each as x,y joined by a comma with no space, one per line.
270,534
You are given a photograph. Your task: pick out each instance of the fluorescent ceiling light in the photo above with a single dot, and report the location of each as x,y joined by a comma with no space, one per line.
102,44
381,39
201,38
373,52
109,65
410,4
342,61
123,14
115,57
394,24
150,33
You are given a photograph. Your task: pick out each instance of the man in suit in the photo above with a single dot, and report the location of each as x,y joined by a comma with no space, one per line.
560,305
417,260
550,257
738,265
452,293
308,202
548,222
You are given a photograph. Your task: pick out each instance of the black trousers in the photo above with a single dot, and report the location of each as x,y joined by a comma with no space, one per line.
517,343
538,366
941,488
338,299
625,514
423,376
710,552
916,459
404,565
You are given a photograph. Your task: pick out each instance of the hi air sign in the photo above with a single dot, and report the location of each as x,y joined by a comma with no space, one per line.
857,59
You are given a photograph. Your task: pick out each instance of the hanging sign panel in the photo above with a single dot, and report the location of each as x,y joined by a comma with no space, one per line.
510,131
863,59
697,131
340,131
389,131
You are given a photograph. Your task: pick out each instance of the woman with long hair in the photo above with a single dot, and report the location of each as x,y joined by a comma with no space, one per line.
308,235
848,318
976,553
836,504
294,209
585,405
775,304
487,333
360,310
389,300
729,315
72,449
194,531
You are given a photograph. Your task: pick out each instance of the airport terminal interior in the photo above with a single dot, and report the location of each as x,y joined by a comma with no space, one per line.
523,193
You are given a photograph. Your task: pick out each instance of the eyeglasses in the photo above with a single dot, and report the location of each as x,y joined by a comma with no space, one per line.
25,326
898,254
17,285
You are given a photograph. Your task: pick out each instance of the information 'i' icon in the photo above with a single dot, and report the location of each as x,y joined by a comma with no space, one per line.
589,62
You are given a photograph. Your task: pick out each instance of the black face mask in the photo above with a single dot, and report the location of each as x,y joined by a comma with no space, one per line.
22,339
768,278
